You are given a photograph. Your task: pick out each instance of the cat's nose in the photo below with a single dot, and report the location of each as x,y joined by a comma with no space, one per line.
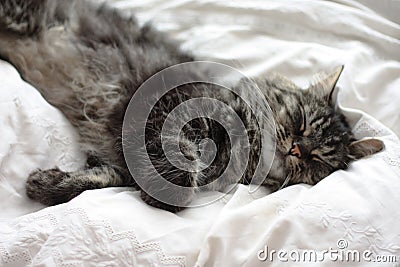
295,150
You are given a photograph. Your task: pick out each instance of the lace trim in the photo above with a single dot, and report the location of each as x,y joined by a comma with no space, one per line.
33,233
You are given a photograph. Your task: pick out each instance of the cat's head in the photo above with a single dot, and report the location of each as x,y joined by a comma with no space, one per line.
313,138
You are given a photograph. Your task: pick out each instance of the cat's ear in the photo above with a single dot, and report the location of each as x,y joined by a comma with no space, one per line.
366,147
324,83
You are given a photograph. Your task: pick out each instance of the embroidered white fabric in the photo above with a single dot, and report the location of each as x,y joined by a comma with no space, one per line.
355,209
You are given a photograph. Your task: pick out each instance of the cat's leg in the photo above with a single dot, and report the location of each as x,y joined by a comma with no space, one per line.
52,187
154,191
23,17
153,187
272,184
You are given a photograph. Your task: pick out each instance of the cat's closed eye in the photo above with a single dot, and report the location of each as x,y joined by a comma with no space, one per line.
302,127
315,157
304,122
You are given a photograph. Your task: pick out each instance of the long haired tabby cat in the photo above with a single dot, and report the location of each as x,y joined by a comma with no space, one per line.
88,61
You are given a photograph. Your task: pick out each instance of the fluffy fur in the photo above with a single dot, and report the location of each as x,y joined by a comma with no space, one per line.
88,61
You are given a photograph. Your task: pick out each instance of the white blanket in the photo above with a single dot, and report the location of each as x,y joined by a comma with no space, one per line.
353,210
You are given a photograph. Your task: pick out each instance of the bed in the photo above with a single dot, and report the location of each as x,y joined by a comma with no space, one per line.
353,212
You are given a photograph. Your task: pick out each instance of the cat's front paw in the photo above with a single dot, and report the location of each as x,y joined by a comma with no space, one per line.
159,204
272,184
41,185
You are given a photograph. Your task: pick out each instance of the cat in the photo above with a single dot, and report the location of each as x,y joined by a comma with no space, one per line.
88,60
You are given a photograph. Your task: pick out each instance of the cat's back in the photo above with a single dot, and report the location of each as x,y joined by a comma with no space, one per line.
87,60
90,47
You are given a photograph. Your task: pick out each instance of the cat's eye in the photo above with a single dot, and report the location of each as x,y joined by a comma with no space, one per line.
317,158
302,128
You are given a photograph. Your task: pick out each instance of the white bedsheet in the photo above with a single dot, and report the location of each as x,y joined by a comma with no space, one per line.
357,208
